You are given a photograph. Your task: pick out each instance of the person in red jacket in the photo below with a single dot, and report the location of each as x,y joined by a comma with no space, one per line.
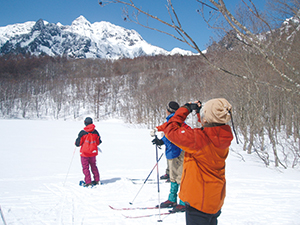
89,139
203,182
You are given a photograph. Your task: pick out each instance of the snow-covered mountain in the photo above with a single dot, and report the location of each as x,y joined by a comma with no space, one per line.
288,33
81,39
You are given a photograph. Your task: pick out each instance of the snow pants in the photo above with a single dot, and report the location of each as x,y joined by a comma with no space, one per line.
196,217
86,162
175,168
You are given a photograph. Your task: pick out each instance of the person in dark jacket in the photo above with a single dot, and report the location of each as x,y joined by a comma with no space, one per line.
175,157
89,139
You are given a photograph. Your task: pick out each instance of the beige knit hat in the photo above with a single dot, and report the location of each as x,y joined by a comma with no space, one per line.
217,110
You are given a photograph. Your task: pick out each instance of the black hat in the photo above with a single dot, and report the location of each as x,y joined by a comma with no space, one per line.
172,106
88,121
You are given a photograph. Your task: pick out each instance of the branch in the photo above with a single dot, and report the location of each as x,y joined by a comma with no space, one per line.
251,38
185,38
203,3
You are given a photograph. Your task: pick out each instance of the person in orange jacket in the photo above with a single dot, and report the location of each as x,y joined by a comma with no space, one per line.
203,182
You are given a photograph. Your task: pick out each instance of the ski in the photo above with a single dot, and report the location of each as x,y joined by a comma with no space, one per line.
142,181
133,208
148,215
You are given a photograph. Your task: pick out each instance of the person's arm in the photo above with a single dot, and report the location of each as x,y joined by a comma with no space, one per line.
78,140
158,128
162,127
188,140
98,140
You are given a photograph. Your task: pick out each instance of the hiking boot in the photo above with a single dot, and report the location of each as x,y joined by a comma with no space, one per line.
178,208
95,183
167,204
165,177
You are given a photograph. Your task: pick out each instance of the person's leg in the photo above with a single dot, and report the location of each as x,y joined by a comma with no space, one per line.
168,170
166,175
196,217
85,169
177,167
173,192
214,218
179,172
172,198
94,169
174,185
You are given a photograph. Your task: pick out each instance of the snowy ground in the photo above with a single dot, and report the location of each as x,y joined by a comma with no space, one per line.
35,188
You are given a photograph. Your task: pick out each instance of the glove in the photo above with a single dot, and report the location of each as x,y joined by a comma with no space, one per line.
157,141
193,106
153,132
198,109
188,106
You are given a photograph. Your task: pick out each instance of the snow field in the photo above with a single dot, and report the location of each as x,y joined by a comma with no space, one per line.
36,189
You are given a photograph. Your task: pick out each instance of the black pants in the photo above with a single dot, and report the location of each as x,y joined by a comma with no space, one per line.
196,217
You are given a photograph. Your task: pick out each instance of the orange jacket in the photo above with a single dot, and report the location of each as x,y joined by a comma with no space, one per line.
203,181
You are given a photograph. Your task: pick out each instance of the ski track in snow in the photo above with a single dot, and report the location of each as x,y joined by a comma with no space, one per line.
36,155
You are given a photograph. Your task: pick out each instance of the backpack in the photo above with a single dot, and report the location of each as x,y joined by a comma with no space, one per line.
89,146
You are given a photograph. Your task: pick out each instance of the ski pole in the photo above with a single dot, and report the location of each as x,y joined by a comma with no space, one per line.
2,216
70,166
158,191
146,179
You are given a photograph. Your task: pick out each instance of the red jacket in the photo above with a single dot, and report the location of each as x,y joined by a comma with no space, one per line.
88,139
203,181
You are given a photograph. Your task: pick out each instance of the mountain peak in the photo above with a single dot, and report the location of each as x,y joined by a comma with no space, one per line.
39,25
81,39
81,21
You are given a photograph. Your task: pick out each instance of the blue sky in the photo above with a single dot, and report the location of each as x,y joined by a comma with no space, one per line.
65,11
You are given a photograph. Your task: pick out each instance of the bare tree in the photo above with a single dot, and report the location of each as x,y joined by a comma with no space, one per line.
247,36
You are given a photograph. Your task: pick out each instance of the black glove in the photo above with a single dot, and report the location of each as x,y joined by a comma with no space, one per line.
198,108
188,106
193,106
157,141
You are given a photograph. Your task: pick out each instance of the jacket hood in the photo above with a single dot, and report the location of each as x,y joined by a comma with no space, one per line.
90,128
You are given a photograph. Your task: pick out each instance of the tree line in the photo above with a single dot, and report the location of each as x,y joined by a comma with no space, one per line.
138,90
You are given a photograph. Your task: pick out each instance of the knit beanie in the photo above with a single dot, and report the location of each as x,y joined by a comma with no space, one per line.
172,106
217,110
88,121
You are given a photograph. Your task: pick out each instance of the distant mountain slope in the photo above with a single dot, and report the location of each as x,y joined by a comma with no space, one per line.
286,34
79,40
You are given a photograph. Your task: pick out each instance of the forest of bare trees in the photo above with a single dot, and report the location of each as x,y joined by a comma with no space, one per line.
261,80
138,90
253,49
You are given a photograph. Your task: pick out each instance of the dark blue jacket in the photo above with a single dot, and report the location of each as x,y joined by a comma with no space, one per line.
172,151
